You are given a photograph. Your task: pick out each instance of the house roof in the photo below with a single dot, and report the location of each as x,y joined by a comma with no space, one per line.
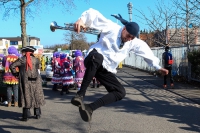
18,38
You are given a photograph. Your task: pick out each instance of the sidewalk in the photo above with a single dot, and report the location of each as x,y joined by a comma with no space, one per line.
185,90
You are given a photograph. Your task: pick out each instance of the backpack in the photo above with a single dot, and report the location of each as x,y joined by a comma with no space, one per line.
168,58
79,64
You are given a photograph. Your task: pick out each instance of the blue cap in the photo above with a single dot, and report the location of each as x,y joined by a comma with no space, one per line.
132,28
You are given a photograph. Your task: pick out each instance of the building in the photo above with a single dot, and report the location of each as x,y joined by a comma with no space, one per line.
179,36
6,42
148,38
174,37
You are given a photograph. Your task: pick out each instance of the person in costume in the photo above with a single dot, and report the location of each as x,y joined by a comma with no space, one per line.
56,79
43,63
79,68
67,73
30,82
9,79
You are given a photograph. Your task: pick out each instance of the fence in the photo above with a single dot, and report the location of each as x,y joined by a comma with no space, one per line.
180,66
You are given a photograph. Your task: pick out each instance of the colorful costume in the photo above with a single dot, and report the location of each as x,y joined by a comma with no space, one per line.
66,71
8,78
43,63
79,68
56,79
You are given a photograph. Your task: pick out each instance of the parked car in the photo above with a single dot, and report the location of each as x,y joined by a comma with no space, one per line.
49,72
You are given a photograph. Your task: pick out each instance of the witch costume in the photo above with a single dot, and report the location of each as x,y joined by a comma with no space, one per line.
30,82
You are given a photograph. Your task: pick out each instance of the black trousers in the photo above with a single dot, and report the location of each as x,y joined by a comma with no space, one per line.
94,68
170,76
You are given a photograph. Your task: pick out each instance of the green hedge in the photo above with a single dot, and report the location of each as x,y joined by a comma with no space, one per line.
194,59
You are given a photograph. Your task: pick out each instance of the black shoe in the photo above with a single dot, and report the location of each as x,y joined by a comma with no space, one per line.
77,100
24,119
98,85
67,92
37,116
61,93
55,89
93,86
26,113
86,113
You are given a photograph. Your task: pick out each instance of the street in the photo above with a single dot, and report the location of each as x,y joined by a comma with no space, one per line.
146,108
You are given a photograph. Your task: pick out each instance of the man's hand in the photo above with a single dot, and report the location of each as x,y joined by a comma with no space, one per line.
163,71
78,25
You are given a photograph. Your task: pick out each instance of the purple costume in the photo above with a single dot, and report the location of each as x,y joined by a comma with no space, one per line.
79,68
66,70
56,79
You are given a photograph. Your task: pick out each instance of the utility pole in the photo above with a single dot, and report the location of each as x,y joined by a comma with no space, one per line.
187,26
130,5
166,32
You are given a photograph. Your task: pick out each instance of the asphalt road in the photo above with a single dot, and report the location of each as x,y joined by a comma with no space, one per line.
146,108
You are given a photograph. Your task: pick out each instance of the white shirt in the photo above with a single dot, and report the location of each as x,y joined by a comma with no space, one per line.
110,40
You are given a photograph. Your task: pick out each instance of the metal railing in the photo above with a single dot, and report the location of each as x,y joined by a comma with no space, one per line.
179,67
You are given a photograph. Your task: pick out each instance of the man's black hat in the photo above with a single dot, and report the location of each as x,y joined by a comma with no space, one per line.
28,49
132,27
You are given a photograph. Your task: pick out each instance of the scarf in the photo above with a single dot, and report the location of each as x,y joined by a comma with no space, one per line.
28,60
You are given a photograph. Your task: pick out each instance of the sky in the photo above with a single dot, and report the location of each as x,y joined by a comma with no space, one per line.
39,25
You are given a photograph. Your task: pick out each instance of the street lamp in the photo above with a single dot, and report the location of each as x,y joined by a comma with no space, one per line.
130,5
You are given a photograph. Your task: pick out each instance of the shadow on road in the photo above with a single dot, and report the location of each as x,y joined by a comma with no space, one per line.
174,108
5,114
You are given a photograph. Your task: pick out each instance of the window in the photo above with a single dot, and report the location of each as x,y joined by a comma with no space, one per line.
13,42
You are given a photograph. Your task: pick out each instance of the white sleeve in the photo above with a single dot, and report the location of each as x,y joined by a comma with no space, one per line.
141,48
94,19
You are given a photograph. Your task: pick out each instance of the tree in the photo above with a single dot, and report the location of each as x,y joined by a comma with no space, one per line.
70,36
56,46
79,45
27,9
189,11
171,22
76,41
161,18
